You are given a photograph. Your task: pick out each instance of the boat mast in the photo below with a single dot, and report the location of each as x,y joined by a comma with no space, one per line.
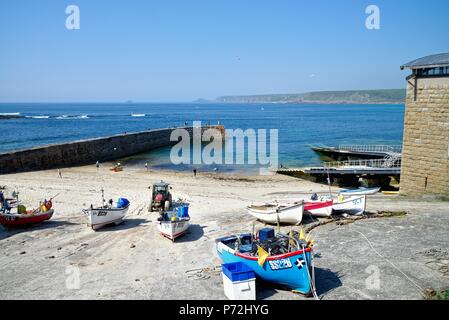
329,181
102,196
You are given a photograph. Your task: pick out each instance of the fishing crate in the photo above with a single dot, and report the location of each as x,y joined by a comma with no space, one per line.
239,281
266,233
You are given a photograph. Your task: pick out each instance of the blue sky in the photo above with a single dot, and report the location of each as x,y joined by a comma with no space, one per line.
181,50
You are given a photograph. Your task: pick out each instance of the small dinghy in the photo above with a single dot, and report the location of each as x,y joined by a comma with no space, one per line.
20,217
360,192
116,169
274,213
319,208
281,259
355,205
173,224
108,213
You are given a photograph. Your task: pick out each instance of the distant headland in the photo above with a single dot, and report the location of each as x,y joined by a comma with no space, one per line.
6,116
387,96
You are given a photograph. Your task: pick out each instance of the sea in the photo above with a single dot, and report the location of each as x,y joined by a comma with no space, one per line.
299,126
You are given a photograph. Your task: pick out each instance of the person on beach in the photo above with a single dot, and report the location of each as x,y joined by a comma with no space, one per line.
2,200
5,206
97,164
194,172
59,173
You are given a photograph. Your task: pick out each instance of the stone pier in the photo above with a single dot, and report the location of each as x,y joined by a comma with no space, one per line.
88,151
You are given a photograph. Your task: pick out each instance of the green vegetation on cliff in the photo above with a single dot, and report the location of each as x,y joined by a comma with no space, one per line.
388,96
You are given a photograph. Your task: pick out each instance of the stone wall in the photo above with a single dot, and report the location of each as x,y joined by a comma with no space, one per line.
86,151
425,158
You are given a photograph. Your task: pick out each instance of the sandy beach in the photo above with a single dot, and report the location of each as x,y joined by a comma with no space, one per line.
132,261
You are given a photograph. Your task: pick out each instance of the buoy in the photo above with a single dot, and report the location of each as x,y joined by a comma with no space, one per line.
21,209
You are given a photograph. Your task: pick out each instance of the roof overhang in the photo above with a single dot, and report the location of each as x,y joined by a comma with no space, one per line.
433,61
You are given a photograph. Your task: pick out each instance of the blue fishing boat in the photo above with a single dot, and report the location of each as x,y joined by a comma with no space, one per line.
290,262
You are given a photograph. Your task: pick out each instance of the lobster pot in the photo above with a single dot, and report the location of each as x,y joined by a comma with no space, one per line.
239,281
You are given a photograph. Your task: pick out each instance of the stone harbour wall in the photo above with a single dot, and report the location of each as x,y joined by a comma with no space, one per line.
87,151
425,158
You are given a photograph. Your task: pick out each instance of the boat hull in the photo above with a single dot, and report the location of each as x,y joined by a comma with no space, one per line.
173,229
291,215
319,208
360,192
355,205
290,270
21,220
101,217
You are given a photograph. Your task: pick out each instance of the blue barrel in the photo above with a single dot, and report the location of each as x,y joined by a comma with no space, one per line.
183,211
122,203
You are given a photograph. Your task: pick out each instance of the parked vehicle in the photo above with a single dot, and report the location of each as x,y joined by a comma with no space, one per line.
161,197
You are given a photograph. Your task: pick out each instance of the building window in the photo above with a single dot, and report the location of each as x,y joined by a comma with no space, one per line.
428,72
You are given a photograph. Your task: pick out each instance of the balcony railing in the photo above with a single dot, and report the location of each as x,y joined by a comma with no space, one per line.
372,148
375,163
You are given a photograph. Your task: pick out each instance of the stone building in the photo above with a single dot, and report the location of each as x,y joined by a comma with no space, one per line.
425,154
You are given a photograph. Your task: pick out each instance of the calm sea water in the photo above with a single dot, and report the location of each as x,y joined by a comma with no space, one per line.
299,125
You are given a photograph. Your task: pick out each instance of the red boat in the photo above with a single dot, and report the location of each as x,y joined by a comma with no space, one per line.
11,220
319,208
25,218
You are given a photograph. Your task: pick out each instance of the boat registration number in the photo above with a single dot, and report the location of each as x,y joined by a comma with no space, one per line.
280,264
9,218
102,213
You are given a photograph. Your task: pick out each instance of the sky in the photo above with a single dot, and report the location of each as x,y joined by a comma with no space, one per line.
182,50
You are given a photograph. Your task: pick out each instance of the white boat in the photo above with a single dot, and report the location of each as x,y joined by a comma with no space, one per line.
100,217
355,205
172,226
360,192
107,214
274,213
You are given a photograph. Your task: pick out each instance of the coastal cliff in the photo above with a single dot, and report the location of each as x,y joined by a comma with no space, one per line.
390,96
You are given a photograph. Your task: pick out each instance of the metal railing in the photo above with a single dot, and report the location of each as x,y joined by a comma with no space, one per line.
372,148
375,163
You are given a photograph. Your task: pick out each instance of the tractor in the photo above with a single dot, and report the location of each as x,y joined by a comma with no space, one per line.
161,198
